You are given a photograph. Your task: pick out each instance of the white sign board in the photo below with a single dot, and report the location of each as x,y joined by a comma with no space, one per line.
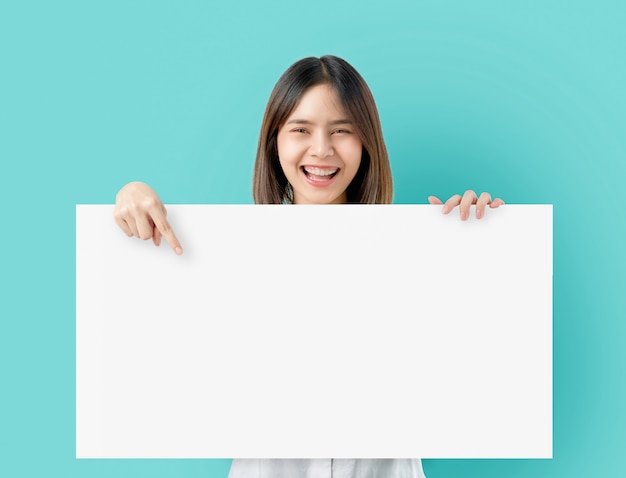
315,332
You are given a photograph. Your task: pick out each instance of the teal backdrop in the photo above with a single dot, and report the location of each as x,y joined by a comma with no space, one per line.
526,100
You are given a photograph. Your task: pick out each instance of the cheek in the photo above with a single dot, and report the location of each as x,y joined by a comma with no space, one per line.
353,153
286,149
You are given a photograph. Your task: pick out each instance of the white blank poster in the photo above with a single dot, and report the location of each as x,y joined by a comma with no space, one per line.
315,332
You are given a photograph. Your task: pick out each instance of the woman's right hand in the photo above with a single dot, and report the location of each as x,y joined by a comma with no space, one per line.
139,212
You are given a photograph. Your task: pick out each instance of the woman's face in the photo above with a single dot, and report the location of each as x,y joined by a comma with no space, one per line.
318,148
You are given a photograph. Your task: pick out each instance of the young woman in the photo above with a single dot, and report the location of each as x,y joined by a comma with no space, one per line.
321,142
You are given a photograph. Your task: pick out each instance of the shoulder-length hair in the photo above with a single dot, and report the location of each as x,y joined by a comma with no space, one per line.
372,183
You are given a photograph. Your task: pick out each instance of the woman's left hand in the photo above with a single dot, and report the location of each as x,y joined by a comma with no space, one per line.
464,202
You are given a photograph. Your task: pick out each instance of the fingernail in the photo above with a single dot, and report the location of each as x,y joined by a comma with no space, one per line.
463,216
445,209
179,250
479,214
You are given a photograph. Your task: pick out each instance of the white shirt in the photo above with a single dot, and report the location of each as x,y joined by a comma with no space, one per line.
326,468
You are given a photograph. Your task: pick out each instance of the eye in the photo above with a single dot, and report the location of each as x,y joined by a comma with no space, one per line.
299,130
341,131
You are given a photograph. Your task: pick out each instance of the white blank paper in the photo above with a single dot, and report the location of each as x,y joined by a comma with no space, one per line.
316,332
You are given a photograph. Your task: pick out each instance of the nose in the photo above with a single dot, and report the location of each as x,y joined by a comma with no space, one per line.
321,146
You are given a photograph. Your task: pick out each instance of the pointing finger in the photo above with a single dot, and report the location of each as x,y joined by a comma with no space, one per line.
158,217
168,233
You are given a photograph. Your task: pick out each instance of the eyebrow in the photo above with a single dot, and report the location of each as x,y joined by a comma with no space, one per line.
303,121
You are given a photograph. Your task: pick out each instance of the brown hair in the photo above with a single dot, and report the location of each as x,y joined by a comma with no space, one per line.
372,183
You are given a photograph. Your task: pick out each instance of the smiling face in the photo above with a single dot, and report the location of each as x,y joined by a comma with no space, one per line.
318,148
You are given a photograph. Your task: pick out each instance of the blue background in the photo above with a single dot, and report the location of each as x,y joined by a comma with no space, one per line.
523,99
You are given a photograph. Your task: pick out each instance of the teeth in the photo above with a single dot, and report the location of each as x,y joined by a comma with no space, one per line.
320,172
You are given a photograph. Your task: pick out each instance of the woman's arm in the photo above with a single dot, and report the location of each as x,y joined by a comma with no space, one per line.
139,212
464,202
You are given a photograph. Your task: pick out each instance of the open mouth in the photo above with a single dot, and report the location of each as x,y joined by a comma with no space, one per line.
320,175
